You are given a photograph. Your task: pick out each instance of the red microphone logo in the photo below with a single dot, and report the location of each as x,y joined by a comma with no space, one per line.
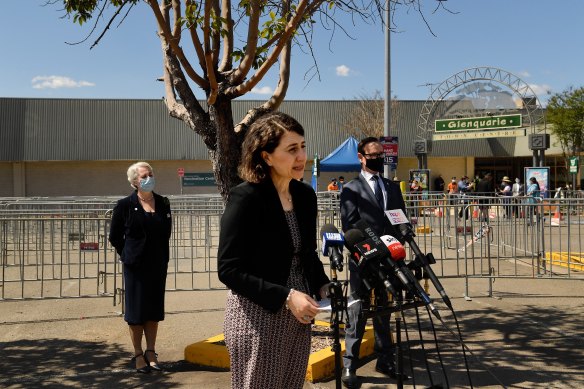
396,249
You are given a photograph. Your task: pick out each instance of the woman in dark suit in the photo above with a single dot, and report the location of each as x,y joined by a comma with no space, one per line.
267,258
140,232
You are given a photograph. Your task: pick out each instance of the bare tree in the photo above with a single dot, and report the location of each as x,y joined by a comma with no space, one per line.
367,116
219,68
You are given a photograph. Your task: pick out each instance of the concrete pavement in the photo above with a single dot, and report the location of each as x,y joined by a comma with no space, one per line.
528,336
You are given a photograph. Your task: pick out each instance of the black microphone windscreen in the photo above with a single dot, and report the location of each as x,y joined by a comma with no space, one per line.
352,237
328,228
362,225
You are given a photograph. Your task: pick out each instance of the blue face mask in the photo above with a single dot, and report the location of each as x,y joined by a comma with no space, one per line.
147,184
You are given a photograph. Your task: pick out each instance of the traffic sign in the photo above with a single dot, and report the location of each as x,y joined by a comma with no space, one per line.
180,171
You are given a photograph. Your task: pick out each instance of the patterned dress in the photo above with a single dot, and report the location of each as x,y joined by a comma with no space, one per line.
268,350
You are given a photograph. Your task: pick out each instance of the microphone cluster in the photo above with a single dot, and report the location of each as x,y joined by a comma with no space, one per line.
379,260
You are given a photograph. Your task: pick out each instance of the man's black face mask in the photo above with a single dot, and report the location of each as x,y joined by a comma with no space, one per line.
375,164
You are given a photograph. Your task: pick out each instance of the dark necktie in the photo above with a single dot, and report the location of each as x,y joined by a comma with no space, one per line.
378,192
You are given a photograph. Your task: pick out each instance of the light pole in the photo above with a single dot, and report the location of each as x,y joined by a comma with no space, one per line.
387,105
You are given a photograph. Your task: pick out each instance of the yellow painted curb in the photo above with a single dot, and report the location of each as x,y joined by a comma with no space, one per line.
560,258
423,229
209,352
321,364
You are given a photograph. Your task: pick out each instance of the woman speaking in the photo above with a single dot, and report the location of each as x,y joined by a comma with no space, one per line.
267,258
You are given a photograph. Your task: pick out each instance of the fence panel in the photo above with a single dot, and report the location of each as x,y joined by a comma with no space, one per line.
58,248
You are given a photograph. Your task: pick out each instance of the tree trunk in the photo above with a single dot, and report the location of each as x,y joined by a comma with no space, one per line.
226,157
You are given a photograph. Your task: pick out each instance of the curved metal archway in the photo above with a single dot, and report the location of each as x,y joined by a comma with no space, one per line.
529,106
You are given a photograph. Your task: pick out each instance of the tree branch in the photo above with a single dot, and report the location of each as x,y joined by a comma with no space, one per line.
291,27
174,44
216,35
197,42
227,25
251,45
280,93
213,87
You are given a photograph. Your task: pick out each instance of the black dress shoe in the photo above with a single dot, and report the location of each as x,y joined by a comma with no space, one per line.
144,369
349,379
389,370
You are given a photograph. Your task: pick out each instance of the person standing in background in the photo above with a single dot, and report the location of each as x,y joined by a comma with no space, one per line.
140,233
332,186
533,194
486,189
439,184
341,183
516,191
452,191
463,188
366,198
506,193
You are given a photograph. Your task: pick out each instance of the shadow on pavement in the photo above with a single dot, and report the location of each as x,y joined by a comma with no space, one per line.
52,363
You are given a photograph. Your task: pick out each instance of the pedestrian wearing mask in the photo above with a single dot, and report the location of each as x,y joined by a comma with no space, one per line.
516,191
366,198
140,232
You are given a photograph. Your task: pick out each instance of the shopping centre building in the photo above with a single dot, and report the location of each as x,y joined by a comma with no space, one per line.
82,147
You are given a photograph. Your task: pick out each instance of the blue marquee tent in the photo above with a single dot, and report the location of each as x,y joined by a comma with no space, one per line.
343,158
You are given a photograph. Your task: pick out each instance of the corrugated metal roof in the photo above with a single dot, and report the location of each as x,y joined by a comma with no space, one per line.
103,129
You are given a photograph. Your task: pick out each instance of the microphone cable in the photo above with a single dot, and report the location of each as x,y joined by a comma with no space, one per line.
408,343
425,353
465,347
438,347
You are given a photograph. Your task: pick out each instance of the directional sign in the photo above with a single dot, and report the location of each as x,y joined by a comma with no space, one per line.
199,179
574,162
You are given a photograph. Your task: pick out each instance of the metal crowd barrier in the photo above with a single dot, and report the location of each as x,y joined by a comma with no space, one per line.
58,248
510,237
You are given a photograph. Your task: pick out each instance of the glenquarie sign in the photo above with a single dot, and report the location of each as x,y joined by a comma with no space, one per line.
479,127
479,123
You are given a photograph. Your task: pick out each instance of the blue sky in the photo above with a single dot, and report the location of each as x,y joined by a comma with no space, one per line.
536,40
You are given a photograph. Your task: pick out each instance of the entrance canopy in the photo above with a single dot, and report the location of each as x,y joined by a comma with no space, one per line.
343,158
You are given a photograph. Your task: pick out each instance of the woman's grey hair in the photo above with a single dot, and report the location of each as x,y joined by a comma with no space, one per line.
133,172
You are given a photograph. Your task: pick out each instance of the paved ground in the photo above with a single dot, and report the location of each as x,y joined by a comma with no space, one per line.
529,336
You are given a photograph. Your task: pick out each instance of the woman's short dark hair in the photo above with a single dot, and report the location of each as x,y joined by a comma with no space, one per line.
364,142
264,135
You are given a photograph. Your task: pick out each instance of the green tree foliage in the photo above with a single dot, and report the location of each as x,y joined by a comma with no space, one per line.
219,68
565,111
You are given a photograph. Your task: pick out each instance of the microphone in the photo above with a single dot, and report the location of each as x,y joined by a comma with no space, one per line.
399,268
398,218
366,255
396,262
332,245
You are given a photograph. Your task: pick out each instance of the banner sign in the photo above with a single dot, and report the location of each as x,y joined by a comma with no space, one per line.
423,178
89,246
198,179
390,148
478,123
479,134
574,162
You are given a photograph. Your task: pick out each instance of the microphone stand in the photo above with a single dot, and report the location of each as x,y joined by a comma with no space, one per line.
399,368
338,304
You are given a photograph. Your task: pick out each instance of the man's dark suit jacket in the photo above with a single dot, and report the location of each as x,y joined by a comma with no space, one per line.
358,203
255,244
127,229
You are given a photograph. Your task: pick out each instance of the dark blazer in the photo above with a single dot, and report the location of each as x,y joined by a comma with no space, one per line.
255,245
358,203
127,233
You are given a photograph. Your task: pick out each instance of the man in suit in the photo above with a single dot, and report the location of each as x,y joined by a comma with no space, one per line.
366,198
